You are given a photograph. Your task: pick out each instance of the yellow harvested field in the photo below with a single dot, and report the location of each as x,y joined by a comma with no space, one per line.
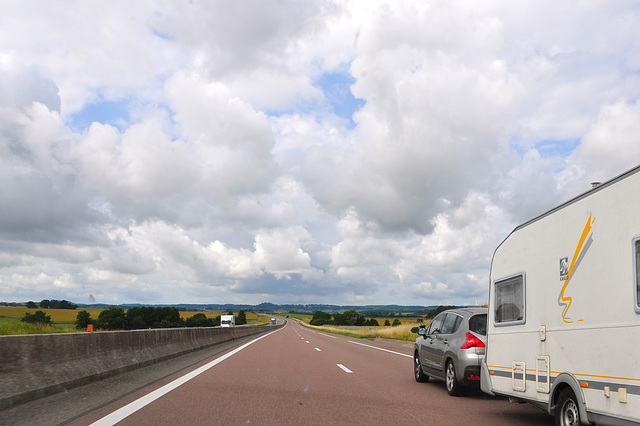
400,332
61,316
189,314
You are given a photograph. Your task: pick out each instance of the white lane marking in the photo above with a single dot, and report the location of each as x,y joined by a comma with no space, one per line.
346,370
138,404
380,349
326,335
318,349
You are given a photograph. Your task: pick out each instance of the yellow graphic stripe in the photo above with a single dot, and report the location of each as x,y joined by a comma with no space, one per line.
583,237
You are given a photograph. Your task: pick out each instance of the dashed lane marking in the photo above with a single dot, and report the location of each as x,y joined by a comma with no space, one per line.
326,335
380,349
346,370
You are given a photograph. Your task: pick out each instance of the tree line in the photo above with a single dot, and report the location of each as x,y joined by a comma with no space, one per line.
135,318
352,317
348,317
51,304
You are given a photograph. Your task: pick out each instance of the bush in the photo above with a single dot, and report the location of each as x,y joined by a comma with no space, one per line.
199,320
83,319
320,318
38,317
139,317
112,319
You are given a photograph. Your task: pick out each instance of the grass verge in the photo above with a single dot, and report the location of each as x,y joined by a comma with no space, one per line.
12,328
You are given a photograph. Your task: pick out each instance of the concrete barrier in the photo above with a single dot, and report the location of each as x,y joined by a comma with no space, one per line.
33,366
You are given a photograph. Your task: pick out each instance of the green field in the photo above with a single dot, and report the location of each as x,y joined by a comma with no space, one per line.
63,320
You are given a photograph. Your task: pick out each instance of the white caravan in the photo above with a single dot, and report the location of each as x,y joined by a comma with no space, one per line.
564,309
227,321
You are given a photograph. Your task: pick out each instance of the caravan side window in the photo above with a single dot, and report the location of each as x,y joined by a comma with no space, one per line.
636,254
509,300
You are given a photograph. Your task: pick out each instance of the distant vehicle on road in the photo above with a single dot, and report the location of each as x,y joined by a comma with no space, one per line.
564,309
451,348
273,321
227,321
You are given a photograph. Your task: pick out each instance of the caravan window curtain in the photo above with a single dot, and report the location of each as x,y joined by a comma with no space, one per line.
509,301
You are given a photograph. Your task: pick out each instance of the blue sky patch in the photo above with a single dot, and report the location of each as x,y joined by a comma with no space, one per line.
557,148
115,114
547,148
336,89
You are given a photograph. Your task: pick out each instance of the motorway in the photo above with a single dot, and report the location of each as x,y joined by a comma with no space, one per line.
295,375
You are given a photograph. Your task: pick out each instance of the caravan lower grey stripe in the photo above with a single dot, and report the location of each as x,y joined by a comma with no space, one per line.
592,384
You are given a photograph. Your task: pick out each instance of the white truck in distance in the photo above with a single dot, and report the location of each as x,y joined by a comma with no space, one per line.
563,327
227,321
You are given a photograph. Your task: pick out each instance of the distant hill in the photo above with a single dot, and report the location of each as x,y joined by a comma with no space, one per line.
368,310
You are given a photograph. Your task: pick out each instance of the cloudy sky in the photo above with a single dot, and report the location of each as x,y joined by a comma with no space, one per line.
345,152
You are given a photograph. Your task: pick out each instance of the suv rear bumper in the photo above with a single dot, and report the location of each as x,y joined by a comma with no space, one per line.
471,376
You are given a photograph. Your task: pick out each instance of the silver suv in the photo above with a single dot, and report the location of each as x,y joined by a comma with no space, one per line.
451,348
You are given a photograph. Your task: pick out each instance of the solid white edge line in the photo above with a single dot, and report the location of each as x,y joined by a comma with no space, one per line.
380,349
124,412
346,370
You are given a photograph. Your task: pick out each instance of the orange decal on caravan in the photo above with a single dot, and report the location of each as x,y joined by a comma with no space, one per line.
576,255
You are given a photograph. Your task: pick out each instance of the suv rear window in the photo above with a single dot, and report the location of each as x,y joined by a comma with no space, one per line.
478,324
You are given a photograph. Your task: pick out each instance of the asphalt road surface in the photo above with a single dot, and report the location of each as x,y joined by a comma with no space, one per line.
295,375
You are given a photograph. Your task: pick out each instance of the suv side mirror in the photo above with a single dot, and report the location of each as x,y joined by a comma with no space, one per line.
419,330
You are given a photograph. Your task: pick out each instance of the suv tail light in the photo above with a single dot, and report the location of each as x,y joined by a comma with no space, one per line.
472,342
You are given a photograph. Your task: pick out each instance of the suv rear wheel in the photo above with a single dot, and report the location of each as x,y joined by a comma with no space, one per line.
453,387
